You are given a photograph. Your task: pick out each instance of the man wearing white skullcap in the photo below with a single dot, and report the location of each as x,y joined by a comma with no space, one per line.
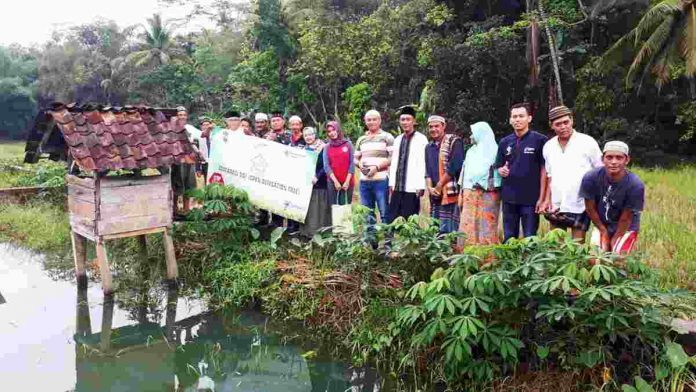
614,199
296,125
444,157
261,123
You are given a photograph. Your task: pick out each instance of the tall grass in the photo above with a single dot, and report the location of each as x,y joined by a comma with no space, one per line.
668,224
11,149
41,226
10,156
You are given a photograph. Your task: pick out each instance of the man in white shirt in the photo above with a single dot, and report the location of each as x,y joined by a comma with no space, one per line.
568,156
407,171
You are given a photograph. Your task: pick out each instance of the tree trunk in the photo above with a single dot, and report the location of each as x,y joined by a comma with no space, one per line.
554,53
692,87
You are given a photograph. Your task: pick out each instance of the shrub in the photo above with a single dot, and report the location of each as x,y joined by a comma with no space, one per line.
542,300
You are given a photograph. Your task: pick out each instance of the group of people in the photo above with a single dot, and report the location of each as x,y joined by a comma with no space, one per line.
470,183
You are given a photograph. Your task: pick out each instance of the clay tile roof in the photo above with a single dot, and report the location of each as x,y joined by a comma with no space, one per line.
112,138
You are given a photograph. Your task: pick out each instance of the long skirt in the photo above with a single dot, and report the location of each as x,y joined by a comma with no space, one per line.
448,215
479,219
318,214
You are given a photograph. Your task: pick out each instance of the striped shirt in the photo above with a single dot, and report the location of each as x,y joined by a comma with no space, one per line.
374,150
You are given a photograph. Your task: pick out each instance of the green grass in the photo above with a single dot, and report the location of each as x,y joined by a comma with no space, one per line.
41,226
11,149
668,224
11,154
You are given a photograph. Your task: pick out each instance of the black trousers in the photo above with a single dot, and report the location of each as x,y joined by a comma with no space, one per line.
275,220
403,204
513,215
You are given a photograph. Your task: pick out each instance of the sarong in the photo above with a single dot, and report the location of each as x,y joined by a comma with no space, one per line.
479,218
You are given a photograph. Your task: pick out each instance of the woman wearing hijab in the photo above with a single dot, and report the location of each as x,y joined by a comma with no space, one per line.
480,182
319,212
338,165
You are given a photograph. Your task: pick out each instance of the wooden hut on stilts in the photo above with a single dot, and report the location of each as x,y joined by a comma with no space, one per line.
118,182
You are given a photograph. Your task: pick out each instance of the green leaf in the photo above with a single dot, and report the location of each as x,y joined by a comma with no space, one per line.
628,388
255,233
642,385
276,234
661,371
543,352
416,290
676,355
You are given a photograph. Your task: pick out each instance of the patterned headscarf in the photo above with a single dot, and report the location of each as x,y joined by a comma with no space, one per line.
318,144
340,139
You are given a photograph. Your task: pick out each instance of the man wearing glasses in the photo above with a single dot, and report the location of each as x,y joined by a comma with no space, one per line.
568,156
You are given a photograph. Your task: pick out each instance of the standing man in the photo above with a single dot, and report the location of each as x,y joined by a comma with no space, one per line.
408,169
296,126
444,157
247,127
205,145
614,199
263,131
373,157
184,174
568,156
233,121
296,140
278,132
520,162
261,122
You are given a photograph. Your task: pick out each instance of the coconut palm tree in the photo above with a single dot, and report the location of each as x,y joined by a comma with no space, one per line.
158,46
664,37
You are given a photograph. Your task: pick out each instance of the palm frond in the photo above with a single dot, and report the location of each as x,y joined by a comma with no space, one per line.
662,63
653,45
654,17
688,41
613,55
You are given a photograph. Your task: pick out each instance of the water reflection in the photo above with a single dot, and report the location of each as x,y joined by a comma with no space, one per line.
54,336
209,351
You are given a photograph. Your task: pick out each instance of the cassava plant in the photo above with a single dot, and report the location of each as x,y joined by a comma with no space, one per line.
223,219
541,300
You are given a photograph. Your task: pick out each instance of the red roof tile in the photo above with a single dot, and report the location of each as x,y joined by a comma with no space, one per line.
130,139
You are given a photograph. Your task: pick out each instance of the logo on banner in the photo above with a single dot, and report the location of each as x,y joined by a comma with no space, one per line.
259,165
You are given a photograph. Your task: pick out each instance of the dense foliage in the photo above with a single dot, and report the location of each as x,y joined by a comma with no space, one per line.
539,301
626,66
428,316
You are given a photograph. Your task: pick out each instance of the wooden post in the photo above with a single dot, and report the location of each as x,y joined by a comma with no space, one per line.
80,256
107,321
172,270
104,267
142,247
170,318
83,324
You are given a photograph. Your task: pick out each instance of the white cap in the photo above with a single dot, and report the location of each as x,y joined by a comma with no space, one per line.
294,118
435,117
261,117
616,146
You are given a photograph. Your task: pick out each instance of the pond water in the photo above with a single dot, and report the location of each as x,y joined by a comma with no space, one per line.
54,337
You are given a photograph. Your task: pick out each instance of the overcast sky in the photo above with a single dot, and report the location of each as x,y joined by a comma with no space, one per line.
30,22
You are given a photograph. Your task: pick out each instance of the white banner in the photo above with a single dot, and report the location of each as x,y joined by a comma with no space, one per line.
278,178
